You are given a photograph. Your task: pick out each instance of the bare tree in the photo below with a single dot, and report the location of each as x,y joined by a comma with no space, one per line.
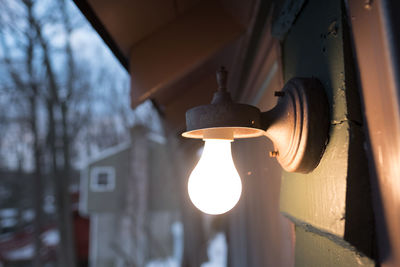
48,92
29,88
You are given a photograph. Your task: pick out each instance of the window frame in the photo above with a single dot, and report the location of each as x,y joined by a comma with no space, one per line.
94,179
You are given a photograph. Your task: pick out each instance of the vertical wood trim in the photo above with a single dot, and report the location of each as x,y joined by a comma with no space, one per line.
376,52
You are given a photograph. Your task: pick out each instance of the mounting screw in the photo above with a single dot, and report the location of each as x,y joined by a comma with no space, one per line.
273,154
279,93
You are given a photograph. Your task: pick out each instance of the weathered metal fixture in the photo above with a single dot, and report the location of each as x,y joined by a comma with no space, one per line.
298,125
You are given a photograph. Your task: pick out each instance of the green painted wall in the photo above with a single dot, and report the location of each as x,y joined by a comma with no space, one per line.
311,50
330,198
317,250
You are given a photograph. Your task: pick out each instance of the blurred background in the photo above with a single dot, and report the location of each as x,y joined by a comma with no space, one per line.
65,116
64,109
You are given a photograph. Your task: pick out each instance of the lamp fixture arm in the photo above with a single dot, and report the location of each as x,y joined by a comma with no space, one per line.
298,125
269,118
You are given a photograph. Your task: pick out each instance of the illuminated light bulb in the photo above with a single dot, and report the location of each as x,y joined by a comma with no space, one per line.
214,185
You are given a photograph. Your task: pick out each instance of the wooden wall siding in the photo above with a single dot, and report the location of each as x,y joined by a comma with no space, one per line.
258,234
131,21
265,75
197,88
309,50
180,48
375,32
184,159
262,236
315,249
335,197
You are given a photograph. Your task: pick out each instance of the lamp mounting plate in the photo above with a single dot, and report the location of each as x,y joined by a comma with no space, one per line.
299,124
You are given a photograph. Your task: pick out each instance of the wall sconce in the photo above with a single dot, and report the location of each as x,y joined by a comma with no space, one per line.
298,127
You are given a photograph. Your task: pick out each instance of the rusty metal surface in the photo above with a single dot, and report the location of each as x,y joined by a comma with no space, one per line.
299,124
223,118
223,114
375,33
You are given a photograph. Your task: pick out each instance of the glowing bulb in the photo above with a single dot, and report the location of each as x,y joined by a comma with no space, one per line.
214,185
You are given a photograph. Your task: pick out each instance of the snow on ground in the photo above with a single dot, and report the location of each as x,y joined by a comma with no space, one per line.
217,252
51,237
170,262
23,253
176,258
